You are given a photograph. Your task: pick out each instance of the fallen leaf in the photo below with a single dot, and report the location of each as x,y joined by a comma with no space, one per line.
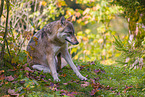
80,67
108,87
28,69
2,77
93,92
85,84
22,82
9,78
70,95
14,69
44,80
118,93
99,71
13,93
63,75
65,83
92,63
96,78
2,71
1,83
128,87
6,96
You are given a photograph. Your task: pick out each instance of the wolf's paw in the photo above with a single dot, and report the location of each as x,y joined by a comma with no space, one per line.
56,79
83,78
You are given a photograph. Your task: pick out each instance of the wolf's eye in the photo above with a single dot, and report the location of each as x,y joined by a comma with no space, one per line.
70,32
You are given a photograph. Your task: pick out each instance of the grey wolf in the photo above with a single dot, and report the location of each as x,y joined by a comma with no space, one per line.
49,44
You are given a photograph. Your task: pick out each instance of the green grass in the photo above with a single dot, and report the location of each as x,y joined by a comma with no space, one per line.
109,81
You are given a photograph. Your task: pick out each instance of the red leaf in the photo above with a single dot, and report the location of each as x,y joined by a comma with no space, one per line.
9,78
6,96
65,83
99,71
63,75
22,82
128,87
2,77
2,71
13,93
1,83
93,92
85,84
28,69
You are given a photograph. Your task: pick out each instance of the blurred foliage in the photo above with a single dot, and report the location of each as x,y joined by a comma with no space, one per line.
133,49
130,57
97,43
24,19
93,21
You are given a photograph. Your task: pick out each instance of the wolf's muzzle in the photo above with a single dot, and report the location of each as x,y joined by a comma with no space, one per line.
76,43
73,43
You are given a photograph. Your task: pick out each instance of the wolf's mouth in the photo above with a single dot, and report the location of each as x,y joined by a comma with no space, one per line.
72,42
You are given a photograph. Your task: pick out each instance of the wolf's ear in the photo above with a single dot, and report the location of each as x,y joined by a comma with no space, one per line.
62,20
70,18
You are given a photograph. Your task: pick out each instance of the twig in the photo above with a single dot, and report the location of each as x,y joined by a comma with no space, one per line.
8,49
1,11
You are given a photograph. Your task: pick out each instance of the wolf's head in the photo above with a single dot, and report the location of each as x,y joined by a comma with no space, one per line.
66,31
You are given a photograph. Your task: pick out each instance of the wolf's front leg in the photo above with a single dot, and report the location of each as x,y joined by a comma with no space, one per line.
52,66
67,57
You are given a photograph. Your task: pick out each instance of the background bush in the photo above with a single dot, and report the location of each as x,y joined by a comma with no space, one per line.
95,21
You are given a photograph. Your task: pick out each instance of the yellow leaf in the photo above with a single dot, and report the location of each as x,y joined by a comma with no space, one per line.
61,3
97,6
80,33
35,39
73,18
2,71
68,13
79,20
100,40
87,52
87,10
87,31
95,41
86,22
76,57
92,0
85,38
31,47
43,3
78,14
74,50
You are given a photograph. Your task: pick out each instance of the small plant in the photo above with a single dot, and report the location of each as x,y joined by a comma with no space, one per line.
131,56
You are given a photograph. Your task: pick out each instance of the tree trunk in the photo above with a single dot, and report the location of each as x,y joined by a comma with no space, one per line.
5,34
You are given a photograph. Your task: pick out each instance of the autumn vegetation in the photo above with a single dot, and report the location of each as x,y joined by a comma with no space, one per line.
110,53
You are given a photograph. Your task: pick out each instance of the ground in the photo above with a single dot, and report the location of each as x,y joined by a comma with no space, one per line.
103,81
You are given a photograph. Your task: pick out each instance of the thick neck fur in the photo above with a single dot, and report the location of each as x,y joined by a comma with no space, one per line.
50,33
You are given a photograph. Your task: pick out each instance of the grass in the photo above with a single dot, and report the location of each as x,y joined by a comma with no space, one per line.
103,81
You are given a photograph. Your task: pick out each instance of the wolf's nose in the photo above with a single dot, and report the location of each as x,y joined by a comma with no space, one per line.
77,42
